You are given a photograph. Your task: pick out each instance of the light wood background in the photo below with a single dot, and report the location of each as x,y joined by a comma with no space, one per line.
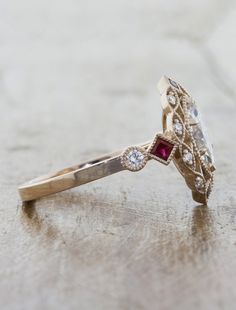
78,79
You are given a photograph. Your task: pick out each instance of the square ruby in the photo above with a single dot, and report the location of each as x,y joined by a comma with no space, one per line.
162,149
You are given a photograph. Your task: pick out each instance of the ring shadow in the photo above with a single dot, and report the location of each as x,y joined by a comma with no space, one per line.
197,239
37,222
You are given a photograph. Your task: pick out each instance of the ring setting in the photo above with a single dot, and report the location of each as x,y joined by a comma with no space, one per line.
184,141
134,158
194,157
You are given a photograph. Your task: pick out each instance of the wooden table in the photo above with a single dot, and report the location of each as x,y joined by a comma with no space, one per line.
78,79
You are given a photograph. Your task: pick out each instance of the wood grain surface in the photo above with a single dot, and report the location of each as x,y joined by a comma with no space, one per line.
78,79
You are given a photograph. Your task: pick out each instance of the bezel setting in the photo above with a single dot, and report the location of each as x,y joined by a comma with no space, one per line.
134,158
162,149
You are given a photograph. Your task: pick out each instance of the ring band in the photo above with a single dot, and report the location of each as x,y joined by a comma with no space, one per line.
73,176
183,139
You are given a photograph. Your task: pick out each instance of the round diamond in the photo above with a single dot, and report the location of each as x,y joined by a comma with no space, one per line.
199,184
171,99
188,157
209,189
178,127
135,158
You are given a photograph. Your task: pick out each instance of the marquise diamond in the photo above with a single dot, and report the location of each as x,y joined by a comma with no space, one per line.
199,133
192,111
173,83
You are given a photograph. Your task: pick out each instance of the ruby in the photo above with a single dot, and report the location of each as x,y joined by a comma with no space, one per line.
162,149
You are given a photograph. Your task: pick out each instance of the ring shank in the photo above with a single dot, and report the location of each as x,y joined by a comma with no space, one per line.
72,176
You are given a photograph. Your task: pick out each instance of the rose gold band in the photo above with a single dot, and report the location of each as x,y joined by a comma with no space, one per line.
183,140
73,176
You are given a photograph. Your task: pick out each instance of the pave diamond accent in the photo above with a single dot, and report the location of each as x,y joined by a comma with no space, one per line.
178,127
188,157
134,158
199,184
171,99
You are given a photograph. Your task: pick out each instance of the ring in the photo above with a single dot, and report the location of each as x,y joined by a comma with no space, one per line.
184,140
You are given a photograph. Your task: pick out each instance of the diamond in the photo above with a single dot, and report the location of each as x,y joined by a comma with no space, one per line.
207,158
199,136
209,189
162,149
135,158
199,133
199,184
192,111
203,143
173,83
188,157
171,99
178,127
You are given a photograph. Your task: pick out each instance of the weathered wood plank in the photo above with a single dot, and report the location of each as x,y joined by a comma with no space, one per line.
77,79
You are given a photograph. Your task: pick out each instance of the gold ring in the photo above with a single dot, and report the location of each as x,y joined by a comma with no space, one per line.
184,140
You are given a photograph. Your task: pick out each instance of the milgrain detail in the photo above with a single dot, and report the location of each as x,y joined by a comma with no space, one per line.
183,141
183,122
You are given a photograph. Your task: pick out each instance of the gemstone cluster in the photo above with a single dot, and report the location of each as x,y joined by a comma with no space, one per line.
182,122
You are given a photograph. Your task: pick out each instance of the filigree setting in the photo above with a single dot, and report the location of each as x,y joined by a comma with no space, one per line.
194,158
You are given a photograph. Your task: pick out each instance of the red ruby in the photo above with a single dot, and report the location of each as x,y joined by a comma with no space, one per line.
162,149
